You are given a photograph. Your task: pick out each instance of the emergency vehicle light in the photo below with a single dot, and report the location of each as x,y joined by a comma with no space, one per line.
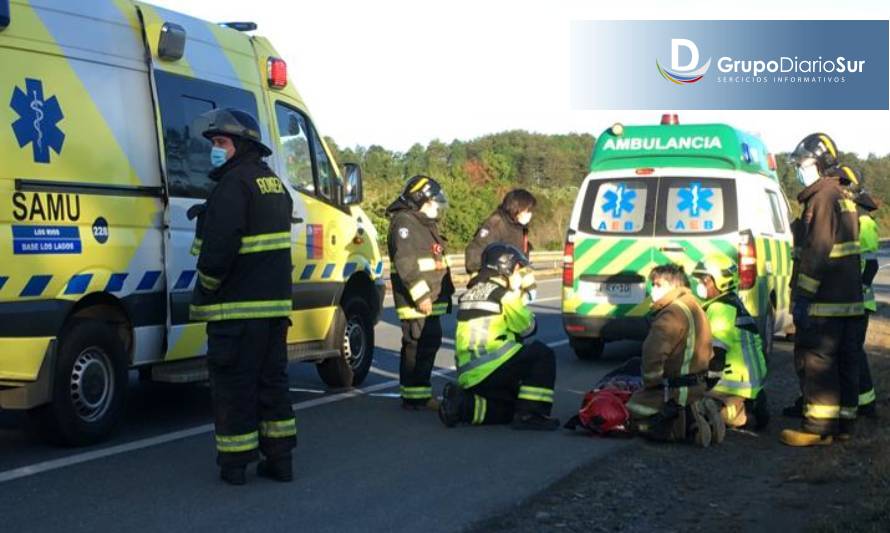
645,171
746,153
747,261
771,161
171,42
4,14
568,261
618,129
239,26
277,71
670,119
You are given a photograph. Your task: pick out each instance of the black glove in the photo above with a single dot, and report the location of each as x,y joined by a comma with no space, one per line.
196,210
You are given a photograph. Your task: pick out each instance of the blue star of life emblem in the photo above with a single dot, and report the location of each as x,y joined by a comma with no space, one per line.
695,199
621,199
38,119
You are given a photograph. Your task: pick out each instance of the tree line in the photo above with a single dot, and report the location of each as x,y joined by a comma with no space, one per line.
477,173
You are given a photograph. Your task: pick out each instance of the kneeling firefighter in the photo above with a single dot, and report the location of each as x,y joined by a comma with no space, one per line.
244,295
500,379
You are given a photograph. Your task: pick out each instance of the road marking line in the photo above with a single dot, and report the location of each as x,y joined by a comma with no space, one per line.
84,457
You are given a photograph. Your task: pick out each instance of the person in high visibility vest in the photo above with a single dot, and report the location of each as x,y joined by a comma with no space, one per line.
501,379
739,385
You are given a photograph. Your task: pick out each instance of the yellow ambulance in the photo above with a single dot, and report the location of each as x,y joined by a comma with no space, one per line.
671,193
101,162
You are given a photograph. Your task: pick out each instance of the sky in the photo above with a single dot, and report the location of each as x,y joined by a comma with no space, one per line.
396,72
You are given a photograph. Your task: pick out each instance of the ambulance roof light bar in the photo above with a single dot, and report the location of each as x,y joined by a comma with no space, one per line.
670,119
239,26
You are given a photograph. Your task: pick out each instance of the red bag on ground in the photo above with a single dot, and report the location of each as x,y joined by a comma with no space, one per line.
603,412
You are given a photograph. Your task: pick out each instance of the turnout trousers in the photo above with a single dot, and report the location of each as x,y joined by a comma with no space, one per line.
827,355
523,384
421,339
247,360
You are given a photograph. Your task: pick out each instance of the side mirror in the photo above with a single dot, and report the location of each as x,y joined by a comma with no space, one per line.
171,43
4,14
353,191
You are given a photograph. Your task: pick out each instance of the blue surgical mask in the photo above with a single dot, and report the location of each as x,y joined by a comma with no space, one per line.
218,156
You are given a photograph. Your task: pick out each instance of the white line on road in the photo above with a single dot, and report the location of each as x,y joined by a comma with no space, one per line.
84,457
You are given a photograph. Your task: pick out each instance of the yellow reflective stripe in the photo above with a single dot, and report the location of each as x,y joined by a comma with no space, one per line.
237,310
837,309
480,409
807,283
848,413
535,394
419,289
426,264
867,397
843,249
410,313
829,144
208,282
689,352
276,429
237,443
196,247
265,242
417,393
419,185
847,206
822,411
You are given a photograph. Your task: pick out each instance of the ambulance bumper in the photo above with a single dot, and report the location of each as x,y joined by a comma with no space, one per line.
610,329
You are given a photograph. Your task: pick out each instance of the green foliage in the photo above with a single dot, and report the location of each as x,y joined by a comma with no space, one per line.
476,174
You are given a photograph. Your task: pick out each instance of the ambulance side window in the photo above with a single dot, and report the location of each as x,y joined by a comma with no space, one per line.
776,211
293,139
696,206
181,101
618,206
308,166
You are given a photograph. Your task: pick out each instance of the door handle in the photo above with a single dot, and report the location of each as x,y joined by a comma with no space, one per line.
672,249
296,220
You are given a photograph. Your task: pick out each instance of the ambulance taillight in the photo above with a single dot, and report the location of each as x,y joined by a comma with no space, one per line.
277,73
747,261
670,119
771,161
568,261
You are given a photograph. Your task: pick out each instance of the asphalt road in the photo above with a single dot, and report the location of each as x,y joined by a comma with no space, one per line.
363,464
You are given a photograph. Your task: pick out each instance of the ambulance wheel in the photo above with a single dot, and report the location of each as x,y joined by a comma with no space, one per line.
356,349
89,385
588,349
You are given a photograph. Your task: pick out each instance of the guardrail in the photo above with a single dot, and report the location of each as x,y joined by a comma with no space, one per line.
551,260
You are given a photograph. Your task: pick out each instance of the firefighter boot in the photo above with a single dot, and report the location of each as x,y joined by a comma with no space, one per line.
715,419
234,475
700,430
797,438
453,405
278,469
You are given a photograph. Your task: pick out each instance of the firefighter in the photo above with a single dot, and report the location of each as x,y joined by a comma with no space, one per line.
672,405
244,294
826,297
500,379
508,224
868,244
738,347
421,284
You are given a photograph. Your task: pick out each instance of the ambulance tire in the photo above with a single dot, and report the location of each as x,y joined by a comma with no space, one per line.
357,348
588,349
89,385
768,334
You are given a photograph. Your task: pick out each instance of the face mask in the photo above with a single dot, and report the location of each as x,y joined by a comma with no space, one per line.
516,281
218,156
807,175
659,292
430,210
701,290
524,218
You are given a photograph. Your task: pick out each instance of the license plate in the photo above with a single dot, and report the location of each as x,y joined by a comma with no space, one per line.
613,293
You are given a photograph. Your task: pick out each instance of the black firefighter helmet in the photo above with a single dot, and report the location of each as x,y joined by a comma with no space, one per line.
234,123
502,258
